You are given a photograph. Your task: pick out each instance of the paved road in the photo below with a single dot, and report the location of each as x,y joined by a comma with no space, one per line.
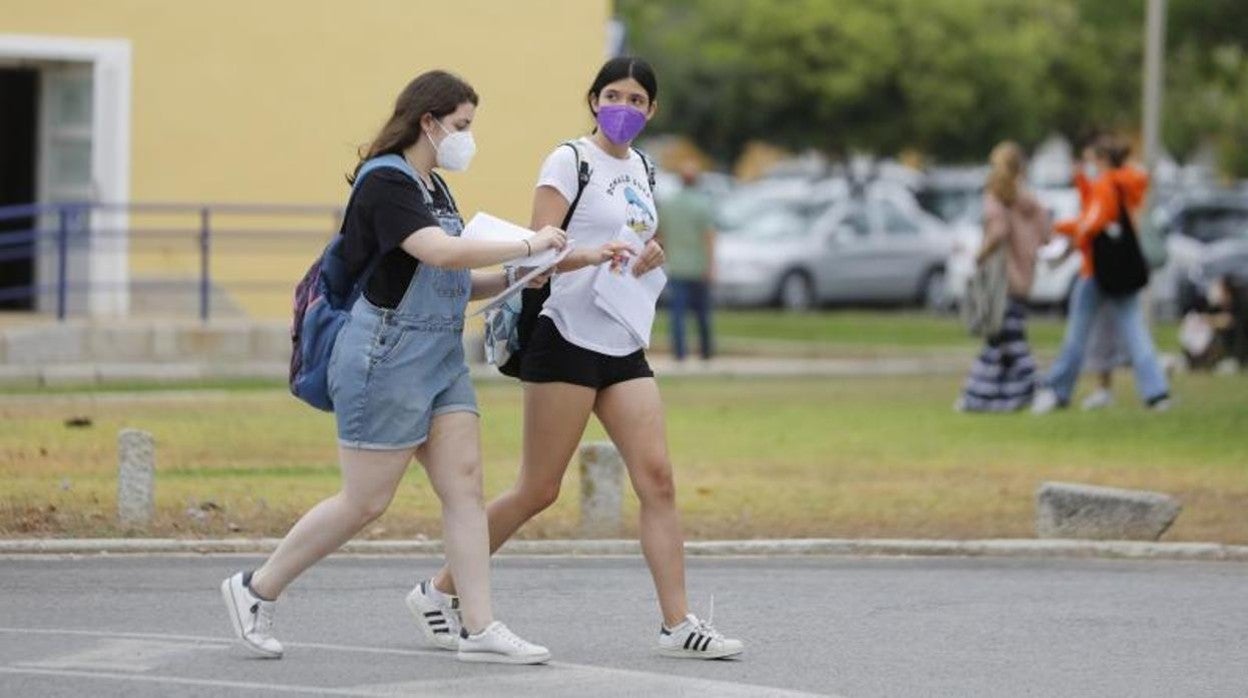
154,626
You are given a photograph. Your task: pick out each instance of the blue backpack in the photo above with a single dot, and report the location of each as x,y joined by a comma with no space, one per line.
323,301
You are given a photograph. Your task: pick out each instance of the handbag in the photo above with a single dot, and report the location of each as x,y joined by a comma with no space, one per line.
1118,262
983,307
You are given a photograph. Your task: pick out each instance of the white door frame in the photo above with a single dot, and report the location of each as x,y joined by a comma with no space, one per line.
110,61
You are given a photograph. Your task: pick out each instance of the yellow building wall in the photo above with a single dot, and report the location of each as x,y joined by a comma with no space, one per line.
266,101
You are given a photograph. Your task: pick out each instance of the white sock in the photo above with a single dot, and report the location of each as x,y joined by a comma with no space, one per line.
439,595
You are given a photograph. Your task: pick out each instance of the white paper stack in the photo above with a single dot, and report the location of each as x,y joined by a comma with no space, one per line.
627,298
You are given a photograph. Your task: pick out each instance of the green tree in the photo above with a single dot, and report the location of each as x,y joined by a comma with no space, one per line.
948,77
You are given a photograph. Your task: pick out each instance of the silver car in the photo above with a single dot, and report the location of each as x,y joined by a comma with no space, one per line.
878,248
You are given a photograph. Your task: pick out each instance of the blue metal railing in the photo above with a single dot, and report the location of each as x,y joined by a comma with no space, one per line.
65,225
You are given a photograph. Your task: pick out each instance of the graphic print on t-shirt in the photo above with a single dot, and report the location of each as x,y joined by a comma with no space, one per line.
638,215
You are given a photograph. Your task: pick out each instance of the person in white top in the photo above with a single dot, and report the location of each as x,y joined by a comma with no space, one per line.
580,360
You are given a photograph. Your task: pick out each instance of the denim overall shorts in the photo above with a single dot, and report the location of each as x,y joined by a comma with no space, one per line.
393,370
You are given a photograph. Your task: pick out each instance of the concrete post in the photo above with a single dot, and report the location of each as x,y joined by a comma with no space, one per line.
136,477
602,471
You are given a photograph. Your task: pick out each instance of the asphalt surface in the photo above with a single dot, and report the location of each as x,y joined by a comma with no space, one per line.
155,626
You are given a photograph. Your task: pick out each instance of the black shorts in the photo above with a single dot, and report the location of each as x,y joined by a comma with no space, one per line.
549,358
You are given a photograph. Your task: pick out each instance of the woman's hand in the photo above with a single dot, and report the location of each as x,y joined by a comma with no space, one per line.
617,253
651,257
540,280
548,238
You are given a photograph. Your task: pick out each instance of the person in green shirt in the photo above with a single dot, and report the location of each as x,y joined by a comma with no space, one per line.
687,233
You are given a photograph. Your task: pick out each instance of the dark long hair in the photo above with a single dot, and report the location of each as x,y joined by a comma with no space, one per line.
1113,148
436,92
622,68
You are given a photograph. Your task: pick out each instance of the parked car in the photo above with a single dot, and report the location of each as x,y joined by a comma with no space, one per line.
1197,228
877,248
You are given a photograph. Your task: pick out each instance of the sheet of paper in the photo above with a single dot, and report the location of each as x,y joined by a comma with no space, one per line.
523,281
483,226
1054,249
627,298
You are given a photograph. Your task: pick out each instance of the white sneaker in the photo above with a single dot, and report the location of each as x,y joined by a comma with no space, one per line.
697,639
251,615
498,645
1100,399
1045,401
437,614
1162,405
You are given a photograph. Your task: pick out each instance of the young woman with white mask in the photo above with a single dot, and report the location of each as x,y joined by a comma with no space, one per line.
397,376
580,360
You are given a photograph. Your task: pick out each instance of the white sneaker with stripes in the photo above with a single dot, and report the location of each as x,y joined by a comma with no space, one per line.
697,639
437,614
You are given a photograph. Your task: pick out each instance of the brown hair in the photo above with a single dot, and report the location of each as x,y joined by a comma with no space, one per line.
1007,162
1111,148
437,93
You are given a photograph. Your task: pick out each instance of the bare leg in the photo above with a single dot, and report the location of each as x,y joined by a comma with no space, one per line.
555,415
632,413
452,458
369,481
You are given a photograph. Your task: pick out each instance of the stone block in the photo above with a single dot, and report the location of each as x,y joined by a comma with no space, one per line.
602,475
1069,510
270,342
136,477
121,343
46,344
214,342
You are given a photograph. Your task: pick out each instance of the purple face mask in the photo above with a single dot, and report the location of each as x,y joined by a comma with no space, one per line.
620,123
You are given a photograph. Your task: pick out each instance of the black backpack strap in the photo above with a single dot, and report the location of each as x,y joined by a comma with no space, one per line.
583,173
446,191
650,172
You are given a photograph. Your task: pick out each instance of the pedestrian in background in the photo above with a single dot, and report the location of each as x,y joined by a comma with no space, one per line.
1015,226
1115,189
688,236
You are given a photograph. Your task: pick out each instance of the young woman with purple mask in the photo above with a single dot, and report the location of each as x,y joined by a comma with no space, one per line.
580,360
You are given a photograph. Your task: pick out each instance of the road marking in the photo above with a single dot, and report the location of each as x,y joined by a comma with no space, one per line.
536,682
225,641
178,681
121,654
529,681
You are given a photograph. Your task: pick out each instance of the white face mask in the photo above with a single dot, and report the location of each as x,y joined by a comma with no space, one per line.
456,150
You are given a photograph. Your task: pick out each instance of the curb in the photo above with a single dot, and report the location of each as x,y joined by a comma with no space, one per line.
1001,548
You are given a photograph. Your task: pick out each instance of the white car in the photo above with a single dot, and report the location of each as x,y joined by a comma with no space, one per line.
1053,282
879,247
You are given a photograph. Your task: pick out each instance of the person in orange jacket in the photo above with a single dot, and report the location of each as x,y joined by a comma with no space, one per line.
1113,185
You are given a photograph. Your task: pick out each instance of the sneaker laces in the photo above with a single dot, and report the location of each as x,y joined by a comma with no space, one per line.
706,627
504,633
264,617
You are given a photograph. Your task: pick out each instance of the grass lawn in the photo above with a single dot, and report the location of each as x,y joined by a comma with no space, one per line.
836,457
867,333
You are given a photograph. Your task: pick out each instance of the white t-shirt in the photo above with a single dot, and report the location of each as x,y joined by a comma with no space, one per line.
618,194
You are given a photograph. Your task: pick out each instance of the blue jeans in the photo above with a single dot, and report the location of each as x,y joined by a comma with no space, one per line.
688,294
1085,301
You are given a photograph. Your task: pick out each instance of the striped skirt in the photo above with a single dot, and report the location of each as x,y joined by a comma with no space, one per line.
1004,376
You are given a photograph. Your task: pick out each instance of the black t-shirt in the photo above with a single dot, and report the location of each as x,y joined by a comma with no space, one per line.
385,209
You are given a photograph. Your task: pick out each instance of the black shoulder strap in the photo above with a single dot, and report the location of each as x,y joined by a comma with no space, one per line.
583,173
446,191
645,160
